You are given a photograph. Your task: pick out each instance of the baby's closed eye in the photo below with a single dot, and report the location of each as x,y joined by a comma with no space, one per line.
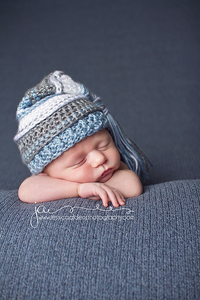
104,146
79,163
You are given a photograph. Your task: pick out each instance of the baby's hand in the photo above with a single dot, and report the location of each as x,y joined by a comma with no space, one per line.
97,191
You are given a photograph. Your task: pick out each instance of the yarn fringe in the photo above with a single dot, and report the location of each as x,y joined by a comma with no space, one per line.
130,153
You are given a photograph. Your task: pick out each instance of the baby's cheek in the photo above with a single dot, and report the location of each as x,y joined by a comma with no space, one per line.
116,157
85,175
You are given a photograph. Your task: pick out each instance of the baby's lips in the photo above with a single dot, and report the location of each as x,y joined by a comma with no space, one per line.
105,173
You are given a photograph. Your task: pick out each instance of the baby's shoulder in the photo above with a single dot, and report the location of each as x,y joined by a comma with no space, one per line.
123,166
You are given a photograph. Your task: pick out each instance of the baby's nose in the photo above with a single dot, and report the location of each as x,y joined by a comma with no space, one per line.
96,158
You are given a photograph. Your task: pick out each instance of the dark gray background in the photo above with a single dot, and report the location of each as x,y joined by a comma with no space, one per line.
141,57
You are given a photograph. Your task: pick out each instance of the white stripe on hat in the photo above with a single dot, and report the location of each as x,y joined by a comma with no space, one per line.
42,111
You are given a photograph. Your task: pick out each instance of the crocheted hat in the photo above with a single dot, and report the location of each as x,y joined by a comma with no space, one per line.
53,116
58,113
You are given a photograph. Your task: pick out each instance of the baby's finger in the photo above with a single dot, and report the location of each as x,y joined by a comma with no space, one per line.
95,198
103,195
120,199
113,196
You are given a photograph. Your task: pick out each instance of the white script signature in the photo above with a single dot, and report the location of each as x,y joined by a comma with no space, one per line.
71,213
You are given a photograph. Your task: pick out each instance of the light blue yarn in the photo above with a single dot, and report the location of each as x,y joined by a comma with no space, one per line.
26,105
68,138
130,153
55,130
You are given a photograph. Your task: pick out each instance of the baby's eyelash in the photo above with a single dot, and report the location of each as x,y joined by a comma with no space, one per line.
102,147
80,163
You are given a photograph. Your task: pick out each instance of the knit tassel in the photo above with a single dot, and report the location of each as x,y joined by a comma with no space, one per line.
131,155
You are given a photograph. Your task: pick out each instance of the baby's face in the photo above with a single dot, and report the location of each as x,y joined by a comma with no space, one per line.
93,159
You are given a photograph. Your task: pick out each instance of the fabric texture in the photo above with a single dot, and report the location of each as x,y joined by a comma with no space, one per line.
78,249
142,58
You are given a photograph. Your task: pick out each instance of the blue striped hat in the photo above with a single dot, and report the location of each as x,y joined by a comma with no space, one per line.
53,116
58,113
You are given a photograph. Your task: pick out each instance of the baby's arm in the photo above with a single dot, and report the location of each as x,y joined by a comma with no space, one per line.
126,181
43,188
